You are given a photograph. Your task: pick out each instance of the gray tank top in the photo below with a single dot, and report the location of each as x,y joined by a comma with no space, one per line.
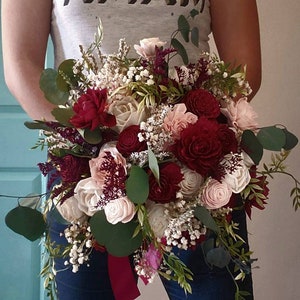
74,23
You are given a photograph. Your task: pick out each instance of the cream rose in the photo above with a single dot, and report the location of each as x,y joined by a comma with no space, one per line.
98,173
119,210
191,182
70,211
216,194
146,49
126,112
177,119
238,176
157,218
88,193
241,114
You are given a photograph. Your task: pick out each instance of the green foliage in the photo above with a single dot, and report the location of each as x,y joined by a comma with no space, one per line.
137,185
63,115
153,164
26,221
203,215
49,86
93,137
118,239
251,145
179,271
65,78
277,166
271,138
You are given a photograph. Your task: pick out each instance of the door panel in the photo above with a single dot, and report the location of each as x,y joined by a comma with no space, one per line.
20,259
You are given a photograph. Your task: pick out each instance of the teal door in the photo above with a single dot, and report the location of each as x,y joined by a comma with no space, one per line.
20,259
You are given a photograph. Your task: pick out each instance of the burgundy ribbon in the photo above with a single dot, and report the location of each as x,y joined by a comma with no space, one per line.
123,282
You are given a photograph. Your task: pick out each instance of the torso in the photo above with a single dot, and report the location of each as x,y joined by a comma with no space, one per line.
74,23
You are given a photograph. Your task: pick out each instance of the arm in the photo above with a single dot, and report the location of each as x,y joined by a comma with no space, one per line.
235,29
25,31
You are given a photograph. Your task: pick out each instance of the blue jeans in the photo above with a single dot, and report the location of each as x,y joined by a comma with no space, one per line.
89,283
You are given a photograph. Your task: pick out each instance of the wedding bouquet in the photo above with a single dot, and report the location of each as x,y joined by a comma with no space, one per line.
145,157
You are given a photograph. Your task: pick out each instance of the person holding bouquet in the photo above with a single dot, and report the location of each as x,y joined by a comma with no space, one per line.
26,27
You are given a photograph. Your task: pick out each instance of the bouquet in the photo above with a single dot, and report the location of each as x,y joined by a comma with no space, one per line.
145,158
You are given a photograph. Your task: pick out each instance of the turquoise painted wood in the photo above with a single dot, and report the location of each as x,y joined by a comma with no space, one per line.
20,259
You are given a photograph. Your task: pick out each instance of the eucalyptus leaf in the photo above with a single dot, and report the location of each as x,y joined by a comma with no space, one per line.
272,138
63,115
37,125
93,137
184,27
218,257
137,185
251,145
180,50
290,140
204,216
65,76
153,164
26,221
49,86
118,239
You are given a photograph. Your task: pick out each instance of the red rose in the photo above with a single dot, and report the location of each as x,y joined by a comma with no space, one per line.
128,141
90,110
228,139
73,168
202,103
199,146
170,177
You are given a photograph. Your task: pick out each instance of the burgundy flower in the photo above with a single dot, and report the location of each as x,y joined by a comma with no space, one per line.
228,139
73,168
90,110
200,146
253,200
202,103
165,191
128,141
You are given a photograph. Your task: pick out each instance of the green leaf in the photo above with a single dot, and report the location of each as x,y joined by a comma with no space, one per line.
118,239
37,125
63,115
27,222
290,140
251,145
153,164
180,50
49,86
272,138
195,36
65,75
137,185
218,257
204,216
93,137
184,27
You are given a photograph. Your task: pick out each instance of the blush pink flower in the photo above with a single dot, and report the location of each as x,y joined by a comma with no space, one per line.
98,171
178,119
146,49
241,114
119,210
216,194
